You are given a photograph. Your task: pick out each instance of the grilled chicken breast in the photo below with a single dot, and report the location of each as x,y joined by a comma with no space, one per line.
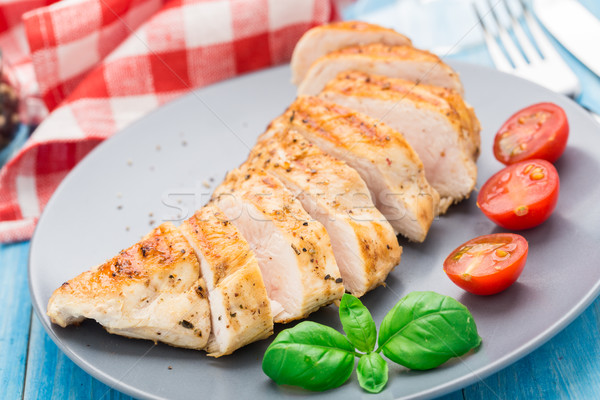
386,162
293,251
312,212
404,62
324,39
151,290
364,244
240,308
435,121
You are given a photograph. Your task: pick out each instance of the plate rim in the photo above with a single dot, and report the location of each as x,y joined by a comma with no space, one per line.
444,388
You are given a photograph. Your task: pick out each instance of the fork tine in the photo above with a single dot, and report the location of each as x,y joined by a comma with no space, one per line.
546,48
532,54
512,50
495,52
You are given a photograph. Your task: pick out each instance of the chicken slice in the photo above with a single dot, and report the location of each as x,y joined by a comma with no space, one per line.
240,308
466,115
151,290
364,244
435,121
382,157
324,39
394,61
293,250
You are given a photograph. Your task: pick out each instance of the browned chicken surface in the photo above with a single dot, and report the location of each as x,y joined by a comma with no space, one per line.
436,122
382,157
404,62
151,290
324,39
293,250
240,307
364,244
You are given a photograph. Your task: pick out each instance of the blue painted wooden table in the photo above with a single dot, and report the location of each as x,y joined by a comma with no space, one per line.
32,367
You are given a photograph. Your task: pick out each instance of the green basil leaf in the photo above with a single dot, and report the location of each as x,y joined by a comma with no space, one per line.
358,323
310,355
426,329
372,372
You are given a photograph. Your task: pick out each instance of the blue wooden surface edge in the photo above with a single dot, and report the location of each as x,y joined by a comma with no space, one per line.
15,318
32,367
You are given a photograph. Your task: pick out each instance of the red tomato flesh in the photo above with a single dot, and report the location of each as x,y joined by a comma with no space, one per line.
520,196
538,131
487,264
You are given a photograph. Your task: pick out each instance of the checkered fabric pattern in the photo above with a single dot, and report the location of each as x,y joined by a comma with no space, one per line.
102,64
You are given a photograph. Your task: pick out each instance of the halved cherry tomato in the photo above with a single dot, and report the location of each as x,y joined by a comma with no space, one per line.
520,196
487,264
538,131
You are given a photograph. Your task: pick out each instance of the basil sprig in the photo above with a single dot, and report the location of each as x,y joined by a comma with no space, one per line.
422,331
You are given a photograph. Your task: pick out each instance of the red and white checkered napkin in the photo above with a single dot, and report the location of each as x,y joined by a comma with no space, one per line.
102,64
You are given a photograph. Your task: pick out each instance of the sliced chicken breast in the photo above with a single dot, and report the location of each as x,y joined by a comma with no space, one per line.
293,251
466,115
324,39
404,62
364,244
382,157
240,308
151,290
442,136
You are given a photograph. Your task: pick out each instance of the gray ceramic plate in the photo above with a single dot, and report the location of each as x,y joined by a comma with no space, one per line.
159,169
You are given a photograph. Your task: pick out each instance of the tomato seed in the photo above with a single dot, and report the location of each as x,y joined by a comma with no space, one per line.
521,210
501,253
536,176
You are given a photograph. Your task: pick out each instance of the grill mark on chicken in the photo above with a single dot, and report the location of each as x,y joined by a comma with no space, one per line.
395,173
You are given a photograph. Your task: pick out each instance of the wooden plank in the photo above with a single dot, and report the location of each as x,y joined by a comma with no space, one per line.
567,367
51,375
15,313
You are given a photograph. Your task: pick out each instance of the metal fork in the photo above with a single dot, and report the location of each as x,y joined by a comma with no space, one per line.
545,68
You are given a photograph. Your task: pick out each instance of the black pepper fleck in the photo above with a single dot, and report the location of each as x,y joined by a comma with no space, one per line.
186,324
